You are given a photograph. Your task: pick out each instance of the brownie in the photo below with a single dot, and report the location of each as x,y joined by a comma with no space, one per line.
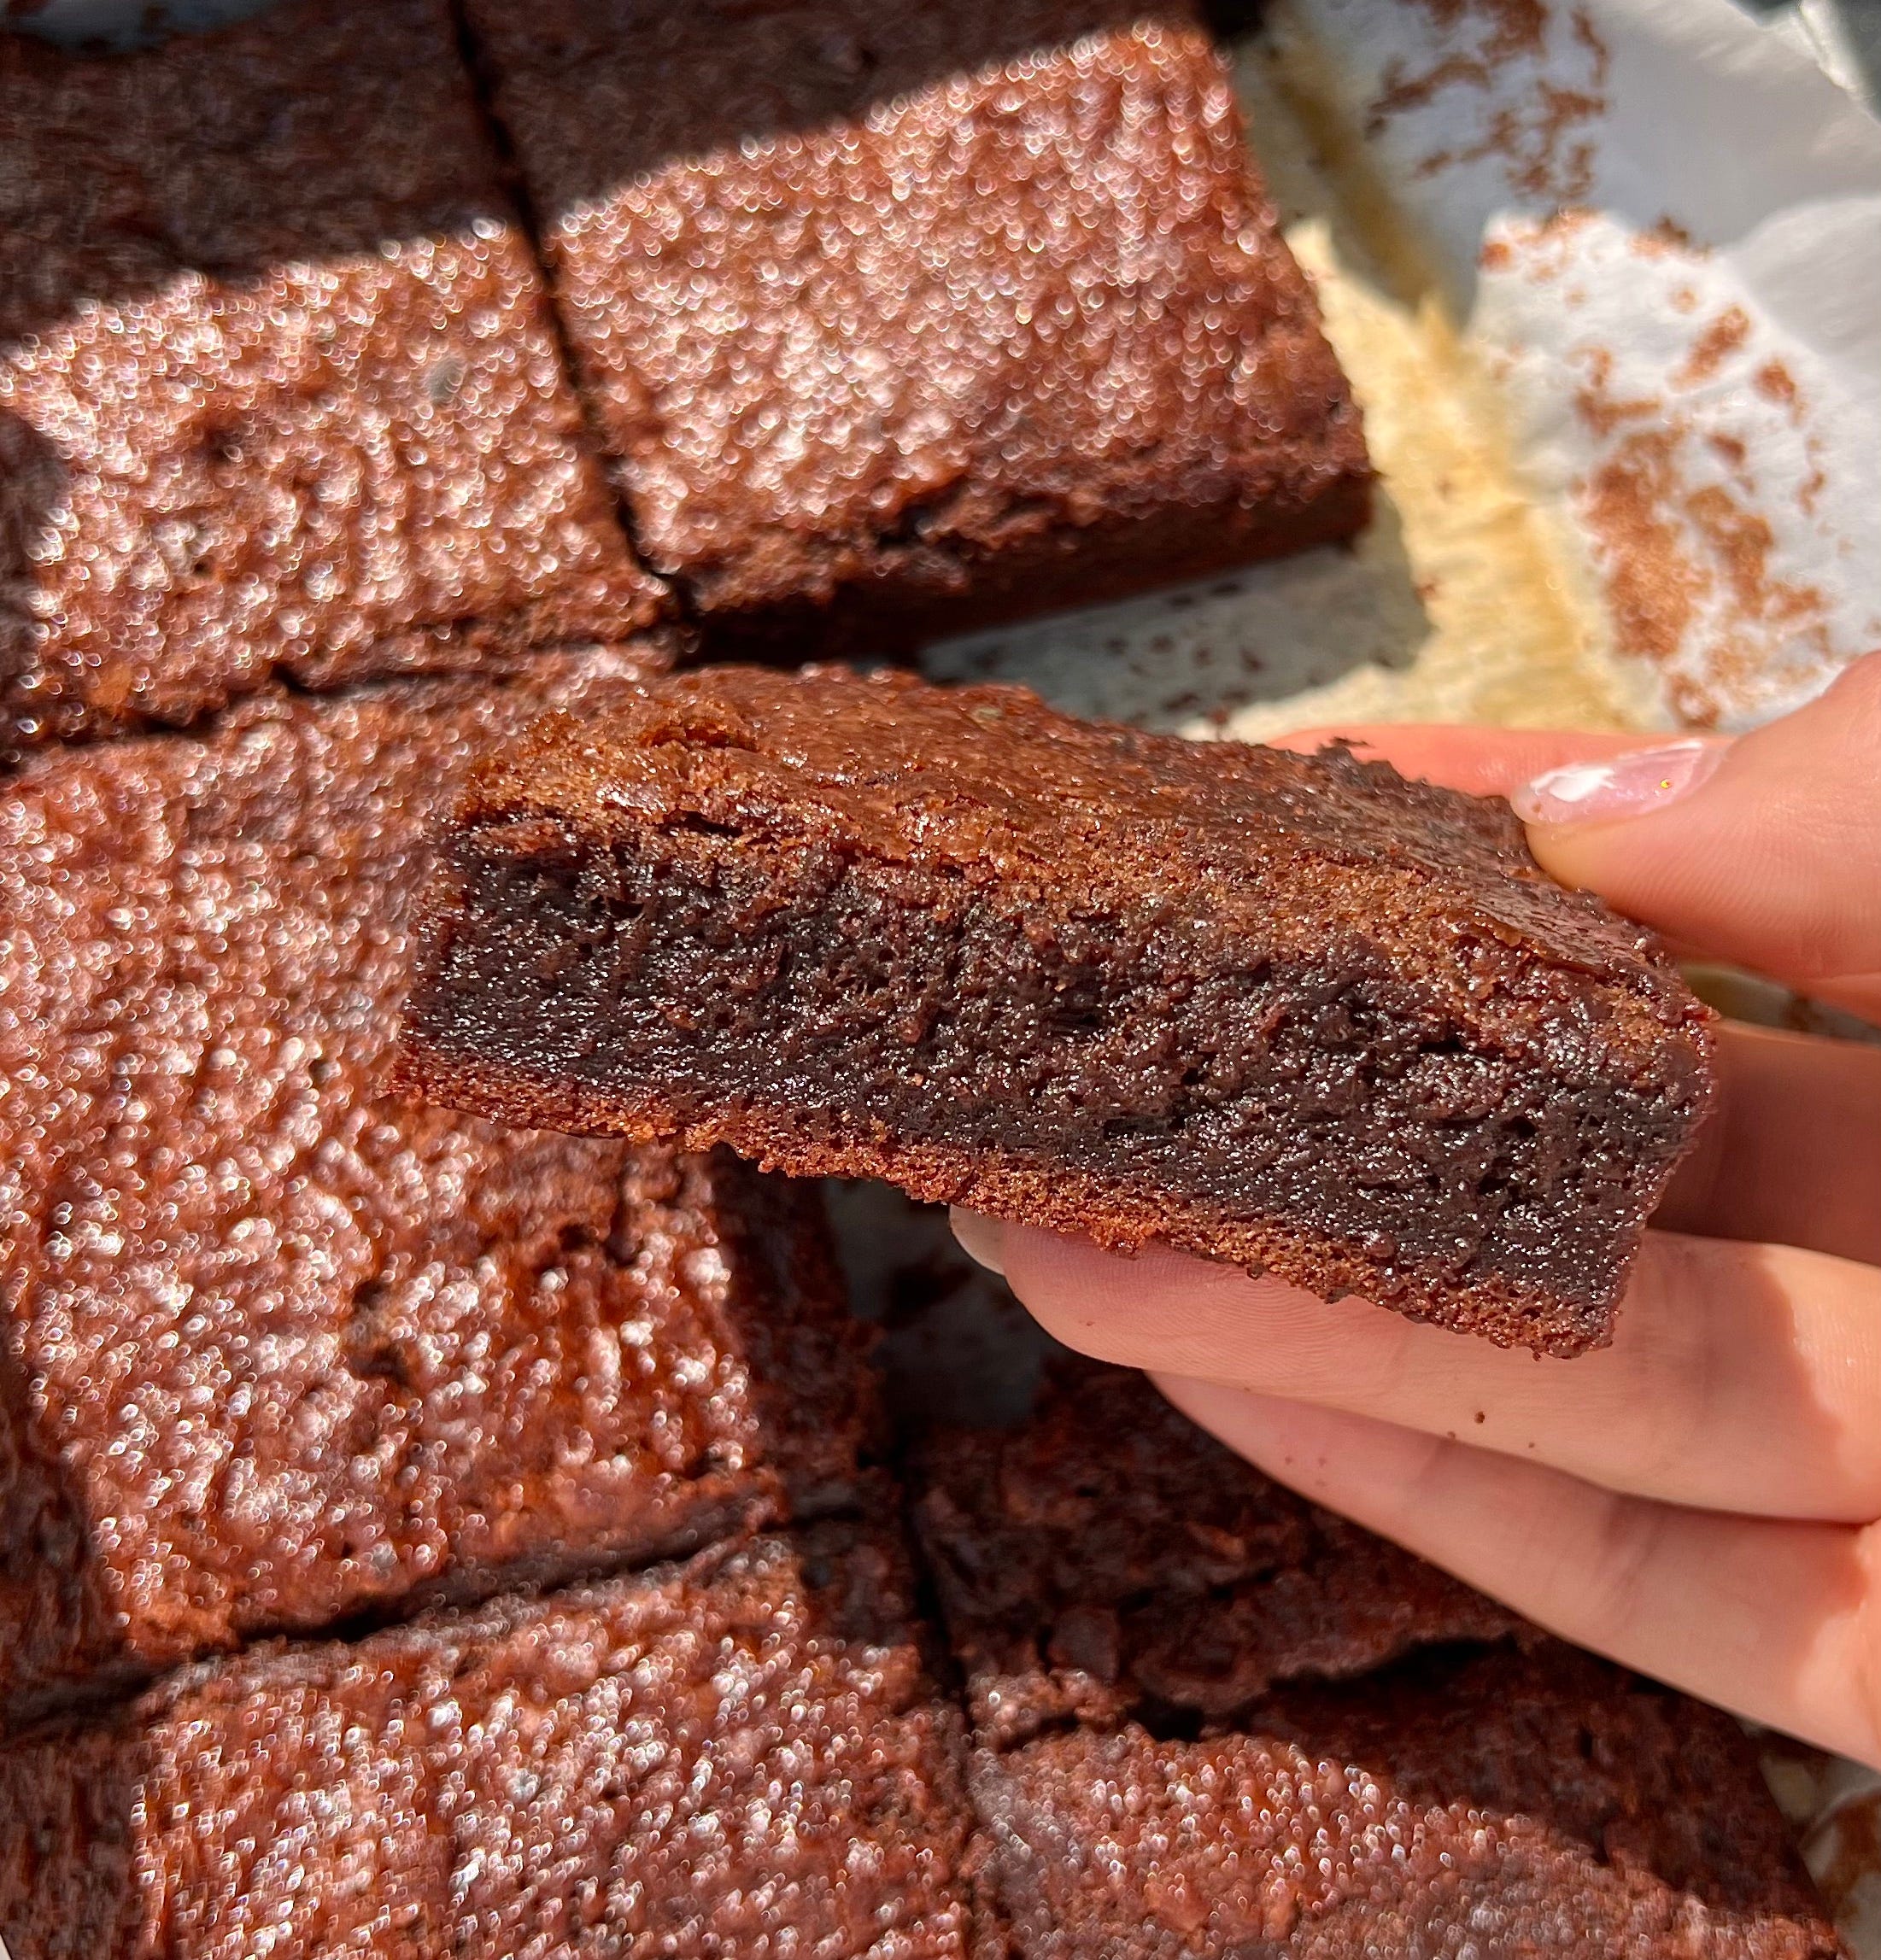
1106,1558
901,318
280,392
1286,1010
743,1755
282,1349
1495,1803
1212,1719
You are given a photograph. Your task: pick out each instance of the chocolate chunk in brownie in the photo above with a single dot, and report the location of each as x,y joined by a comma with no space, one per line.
900,317
745,1754
1211,1719
283,1349
1493,1802
279,389
1107,1559
1290,1011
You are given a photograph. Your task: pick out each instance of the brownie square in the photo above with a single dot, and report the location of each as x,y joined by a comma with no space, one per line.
1492,1802
1212,1719
1290,1011
901,318
1106,1558
281,1349
280,392
745,1754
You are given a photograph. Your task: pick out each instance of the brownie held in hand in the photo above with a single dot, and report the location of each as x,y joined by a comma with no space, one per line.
1294,1012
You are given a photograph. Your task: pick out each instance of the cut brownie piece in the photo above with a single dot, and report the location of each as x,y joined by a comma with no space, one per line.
900,317
279,387
1107,1559
1187,1744
1291,1011
1496,1802
280,1350
743,1755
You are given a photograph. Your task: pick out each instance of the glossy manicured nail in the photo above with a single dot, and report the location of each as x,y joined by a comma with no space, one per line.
1628,785
983,1240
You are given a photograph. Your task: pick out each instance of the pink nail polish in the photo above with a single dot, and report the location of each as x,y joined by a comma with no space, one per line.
1626,785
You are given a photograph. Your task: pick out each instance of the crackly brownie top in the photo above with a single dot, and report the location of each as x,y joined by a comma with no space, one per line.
691,1760
1108,1558
1491,1802
268,142
301,1343
1290,849
733,72
853,282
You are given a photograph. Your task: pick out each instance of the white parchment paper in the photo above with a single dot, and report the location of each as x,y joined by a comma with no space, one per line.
1661,224
1656,227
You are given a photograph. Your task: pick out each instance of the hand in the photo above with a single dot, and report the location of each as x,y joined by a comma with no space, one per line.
1700,1499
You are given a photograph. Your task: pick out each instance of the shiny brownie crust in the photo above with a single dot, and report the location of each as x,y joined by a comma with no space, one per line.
742,1754
280,393
901,318
1210,1719
283,1349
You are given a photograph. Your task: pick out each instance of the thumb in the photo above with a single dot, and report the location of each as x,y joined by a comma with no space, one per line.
1765,851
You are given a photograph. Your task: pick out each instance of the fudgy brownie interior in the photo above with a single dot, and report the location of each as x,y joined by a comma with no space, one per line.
1292,1011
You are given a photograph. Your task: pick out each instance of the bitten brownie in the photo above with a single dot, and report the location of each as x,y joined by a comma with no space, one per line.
1166,1768
1290,1011
279,389
900,317
744,1754
282,1349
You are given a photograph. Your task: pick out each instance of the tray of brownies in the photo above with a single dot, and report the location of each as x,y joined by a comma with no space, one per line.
617,618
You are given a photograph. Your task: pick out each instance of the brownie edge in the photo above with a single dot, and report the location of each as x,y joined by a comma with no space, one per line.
899,318
1290,1011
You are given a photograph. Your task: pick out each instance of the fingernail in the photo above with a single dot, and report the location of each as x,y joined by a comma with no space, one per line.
983,1240
1627,785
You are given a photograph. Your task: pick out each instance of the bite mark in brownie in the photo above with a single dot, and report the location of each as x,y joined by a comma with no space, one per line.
280,393
1290,1011
900,317
743,1754
283,1349
1211,1719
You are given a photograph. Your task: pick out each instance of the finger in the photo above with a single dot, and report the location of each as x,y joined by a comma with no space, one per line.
1765,851
1776,1621
1741,1378
1792,1150
1479,761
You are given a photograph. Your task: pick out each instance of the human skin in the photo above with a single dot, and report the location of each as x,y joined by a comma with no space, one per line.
1702,1498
